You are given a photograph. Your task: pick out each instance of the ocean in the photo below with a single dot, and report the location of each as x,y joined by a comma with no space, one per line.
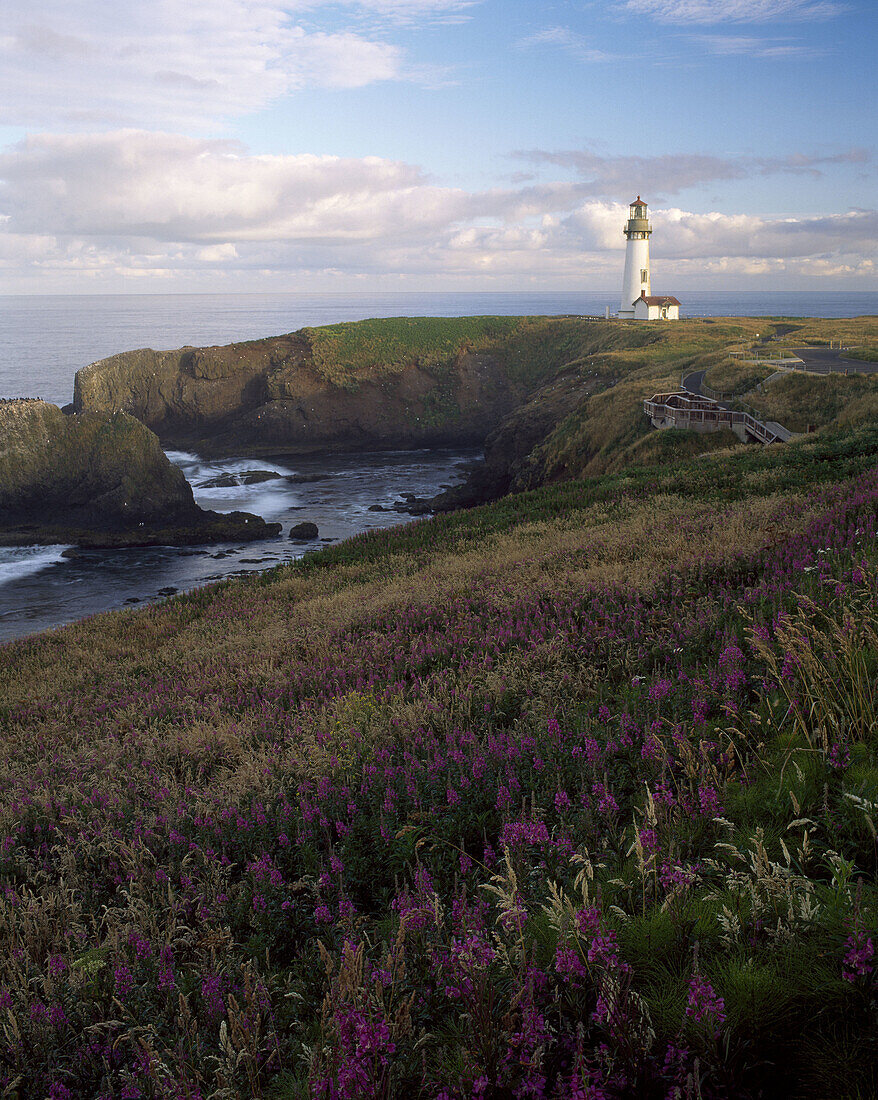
44,340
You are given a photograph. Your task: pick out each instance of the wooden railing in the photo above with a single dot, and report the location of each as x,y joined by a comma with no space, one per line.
751,355
683,410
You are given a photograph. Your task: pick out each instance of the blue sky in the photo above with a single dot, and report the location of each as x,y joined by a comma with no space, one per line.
435,144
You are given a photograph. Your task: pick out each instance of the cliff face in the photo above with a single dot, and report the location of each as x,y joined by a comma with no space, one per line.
268,395
99,480
512,447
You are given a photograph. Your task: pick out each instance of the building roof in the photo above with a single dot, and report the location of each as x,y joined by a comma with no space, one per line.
659,300
638,200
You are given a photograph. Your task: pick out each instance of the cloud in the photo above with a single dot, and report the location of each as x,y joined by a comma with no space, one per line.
340,60
217,253
687,235
178,62
775,49
402,10
170,187
671,173
175,188
568,40
133,204
732,11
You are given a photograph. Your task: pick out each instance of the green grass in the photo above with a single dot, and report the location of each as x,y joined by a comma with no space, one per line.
798,400
346,352
735,378
865,355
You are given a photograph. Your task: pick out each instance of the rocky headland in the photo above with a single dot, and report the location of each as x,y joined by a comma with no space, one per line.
99,479
271,397
549,398
396,383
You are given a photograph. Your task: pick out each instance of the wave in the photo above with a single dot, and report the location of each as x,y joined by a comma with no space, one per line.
233,484
21,561
199,470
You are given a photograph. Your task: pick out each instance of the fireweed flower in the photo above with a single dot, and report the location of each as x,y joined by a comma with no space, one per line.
703,1005
516,834
839,757
211,993
57,965
166,971
661,689
859,953
648,840
123,983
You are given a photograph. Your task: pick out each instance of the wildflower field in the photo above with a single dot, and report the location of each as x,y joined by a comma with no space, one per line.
574,795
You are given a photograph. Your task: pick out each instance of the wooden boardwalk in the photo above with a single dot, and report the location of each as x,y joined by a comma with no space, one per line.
682,409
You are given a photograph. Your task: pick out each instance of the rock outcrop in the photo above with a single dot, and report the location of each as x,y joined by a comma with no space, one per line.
99,479
304,532
524,387
511,447
267,396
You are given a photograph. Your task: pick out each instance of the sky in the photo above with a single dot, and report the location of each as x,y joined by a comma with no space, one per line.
416,145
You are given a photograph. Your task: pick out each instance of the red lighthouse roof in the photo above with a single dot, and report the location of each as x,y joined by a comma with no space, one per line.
638,200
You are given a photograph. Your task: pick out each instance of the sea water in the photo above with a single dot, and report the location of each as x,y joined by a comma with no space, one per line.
44,340
41,587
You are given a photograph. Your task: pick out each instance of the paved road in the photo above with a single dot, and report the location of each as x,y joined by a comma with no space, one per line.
692,384
830,359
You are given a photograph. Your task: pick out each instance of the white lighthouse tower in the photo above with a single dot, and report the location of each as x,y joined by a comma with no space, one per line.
638,303
635,281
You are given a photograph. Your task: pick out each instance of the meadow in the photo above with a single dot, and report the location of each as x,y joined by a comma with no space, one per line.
571,795
798,400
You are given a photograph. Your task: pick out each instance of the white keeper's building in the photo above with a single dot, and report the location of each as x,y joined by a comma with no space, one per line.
657,307
638,304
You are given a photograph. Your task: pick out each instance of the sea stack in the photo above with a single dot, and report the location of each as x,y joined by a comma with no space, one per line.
99,479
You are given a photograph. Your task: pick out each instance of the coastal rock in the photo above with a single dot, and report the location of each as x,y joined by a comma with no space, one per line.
99,480
512,448
515,385
249,477
304,532
267,396
412,505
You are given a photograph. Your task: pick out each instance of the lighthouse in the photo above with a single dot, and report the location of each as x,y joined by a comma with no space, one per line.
635,281
637,301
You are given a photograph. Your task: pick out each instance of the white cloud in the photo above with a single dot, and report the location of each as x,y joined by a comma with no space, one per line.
670,173
134,204
445,10
775,49
217,253
171,62
681,234
340,60
170,187
568,40
732,11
